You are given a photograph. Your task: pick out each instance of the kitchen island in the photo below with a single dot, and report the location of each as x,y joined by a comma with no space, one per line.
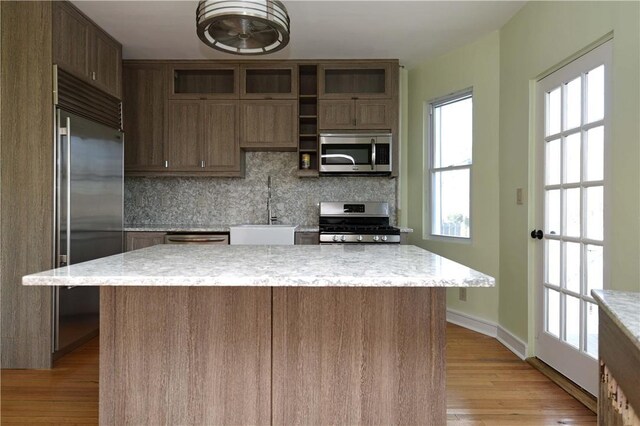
271,334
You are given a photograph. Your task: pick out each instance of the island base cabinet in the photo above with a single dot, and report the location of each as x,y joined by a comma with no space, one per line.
347,356
280,356
185,355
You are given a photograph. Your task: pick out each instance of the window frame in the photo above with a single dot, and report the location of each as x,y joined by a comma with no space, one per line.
430,170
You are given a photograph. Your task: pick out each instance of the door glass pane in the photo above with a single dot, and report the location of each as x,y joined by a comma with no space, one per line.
594,212
552,262
552,162
595,94
594,268
595,154
572,212
553,312
574,103
572,267
591,344
552,220
553,112
572,158
451,211
572,320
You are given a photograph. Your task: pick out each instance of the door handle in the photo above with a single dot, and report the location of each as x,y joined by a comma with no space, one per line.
537,233
373,154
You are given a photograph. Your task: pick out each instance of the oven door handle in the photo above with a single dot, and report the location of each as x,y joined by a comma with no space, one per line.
373,154
348,157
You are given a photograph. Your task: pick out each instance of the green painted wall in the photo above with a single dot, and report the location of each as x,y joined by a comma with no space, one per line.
503,67
475,65
540,37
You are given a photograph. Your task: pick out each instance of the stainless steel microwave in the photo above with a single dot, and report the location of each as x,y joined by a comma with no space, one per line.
355,153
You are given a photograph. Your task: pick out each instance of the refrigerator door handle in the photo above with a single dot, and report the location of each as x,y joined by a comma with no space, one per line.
65,259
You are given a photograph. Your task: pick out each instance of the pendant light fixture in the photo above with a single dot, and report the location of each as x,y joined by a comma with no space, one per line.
249,27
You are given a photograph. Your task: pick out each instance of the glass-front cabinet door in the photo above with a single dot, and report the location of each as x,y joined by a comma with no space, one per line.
203,81
269,81
356,80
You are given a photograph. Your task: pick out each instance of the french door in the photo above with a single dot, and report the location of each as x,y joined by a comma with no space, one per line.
572,146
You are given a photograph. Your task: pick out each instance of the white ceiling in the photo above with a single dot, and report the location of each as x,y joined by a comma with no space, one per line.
412,31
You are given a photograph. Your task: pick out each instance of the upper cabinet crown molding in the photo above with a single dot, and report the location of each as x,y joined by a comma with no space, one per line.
85,50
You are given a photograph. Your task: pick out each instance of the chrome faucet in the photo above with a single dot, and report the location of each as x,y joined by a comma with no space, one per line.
271,219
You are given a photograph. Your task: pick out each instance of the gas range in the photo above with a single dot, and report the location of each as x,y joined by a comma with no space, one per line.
347,222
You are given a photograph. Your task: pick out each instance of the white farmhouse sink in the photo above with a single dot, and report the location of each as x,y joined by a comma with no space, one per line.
261,235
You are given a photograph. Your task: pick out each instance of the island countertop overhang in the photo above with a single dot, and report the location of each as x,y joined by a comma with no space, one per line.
268,266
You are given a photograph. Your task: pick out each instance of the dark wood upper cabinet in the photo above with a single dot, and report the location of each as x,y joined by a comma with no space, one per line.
357,80
360,114
182,142
83,49
269,124
202,138
269,81
143,109
195,118
337,114
220,147
203,81
374,113
71,39
106,63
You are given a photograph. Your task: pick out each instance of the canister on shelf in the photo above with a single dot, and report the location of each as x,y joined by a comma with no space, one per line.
306,161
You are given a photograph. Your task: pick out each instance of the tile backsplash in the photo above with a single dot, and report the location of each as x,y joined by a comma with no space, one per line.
208,201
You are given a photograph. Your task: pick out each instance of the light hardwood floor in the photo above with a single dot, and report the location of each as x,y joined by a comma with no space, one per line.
486,385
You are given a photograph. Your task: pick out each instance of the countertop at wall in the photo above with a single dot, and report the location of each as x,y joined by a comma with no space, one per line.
623,307
273,266
209,228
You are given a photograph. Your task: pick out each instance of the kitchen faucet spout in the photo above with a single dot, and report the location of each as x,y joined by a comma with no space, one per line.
270,217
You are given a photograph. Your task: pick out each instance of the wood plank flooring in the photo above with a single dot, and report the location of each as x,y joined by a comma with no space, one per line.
489,385
486,385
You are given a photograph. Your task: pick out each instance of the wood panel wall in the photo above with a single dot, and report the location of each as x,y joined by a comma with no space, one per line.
26,182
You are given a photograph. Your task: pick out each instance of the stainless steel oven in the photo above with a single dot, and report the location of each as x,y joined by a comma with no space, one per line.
368,153
356,223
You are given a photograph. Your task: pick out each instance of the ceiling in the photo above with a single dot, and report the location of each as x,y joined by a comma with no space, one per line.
411,31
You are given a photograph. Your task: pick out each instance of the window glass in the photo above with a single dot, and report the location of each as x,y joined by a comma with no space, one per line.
451,124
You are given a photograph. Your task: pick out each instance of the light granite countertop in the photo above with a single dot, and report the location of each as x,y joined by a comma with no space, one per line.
209,228
624,309
312,265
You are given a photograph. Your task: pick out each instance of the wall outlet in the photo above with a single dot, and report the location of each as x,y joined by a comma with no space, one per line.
462,295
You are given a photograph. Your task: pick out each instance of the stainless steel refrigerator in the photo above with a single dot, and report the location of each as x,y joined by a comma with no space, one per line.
89,217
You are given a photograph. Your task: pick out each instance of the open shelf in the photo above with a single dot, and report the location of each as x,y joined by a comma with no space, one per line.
308,119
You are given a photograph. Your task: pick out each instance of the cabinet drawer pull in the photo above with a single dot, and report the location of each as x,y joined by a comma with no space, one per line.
166,164
202,164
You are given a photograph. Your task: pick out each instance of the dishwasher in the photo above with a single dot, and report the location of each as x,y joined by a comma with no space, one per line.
196,239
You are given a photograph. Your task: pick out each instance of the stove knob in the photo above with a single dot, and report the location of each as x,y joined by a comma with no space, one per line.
335,238
343,238
359,238
384,238
376,238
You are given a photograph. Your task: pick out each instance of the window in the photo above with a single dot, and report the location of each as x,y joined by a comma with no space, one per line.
450,160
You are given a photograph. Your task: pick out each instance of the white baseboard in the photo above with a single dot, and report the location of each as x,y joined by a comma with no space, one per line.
470,322
512,343
488,328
